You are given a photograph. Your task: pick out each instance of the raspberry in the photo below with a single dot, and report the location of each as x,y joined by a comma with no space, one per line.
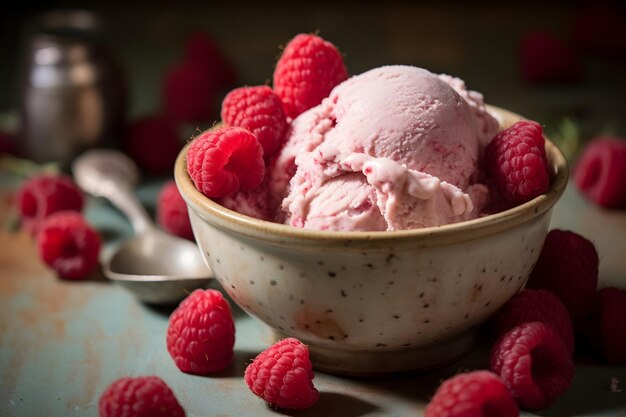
203,51
225,160
153,143
608,325
473,394
201,333
546,59
189,93
600,173
308,69
283,375
143,396
517,160
534,363
69,245
43,195
536,305
171,212
259,110
568,267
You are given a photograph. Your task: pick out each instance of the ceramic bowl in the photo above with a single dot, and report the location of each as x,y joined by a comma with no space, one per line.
370,303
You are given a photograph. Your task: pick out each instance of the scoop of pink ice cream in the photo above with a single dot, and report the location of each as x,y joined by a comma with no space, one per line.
393,148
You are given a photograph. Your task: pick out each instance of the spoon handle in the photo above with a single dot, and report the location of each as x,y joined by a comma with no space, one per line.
112,175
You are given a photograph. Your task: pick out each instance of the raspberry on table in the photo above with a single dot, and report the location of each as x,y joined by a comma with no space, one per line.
308,69
203,51
607,325
283,375
225,160
153,143
189,94
42,195
600,172
171,212
143,396
69,245
201,333
568,267
259,110
472,394
534,363
546,59
517,160
535,305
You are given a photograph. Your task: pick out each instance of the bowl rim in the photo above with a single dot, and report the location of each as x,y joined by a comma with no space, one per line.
227,219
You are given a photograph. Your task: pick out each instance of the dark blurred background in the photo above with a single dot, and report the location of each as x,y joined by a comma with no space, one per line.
561,63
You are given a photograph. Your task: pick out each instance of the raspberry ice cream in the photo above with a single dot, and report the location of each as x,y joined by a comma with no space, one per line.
394,148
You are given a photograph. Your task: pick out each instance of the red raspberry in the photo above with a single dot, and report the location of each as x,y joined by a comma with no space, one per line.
473,394
600,173
201,333
202,50
69,245
171,212
546,59
225,160
568,267
43,195
534,363
259,110
607,325
142,396
536,305
308,69
283,375
517,160
189,93
153,143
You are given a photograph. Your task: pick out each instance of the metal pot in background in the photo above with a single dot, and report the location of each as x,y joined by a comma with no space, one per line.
72,91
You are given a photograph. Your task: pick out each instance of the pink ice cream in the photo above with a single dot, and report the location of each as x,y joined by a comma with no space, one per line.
394,148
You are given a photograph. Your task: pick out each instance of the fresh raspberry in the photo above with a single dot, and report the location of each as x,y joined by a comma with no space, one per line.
308,69
535,305
202,50
607,325
189,93
153,143
69,245
283,375
43,195
546,59
8,144
534,363
568,267
259,110
473,394
600,173
142,396
201,333
517,160
225,160
171,212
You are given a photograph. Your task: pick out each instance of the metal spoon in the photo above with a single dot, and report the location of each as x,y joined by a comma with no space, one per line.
157,267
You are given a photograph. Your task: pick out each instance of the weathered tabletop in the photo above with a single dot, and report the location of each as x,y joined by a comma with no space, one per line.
62,343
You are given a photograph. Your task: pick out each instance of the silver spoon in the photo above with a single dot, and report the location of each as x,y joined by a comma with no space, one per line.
158,268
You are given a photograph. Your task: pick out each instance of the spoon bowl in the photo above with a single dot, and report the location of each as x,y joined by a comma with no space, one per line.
158,268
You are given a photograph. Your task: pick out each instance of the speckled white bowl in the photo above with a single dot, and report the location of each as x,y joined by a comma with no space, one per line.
375,302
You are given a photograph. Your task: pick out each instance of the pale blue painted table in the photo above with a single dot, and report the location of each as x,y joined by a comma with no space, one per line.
62,343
